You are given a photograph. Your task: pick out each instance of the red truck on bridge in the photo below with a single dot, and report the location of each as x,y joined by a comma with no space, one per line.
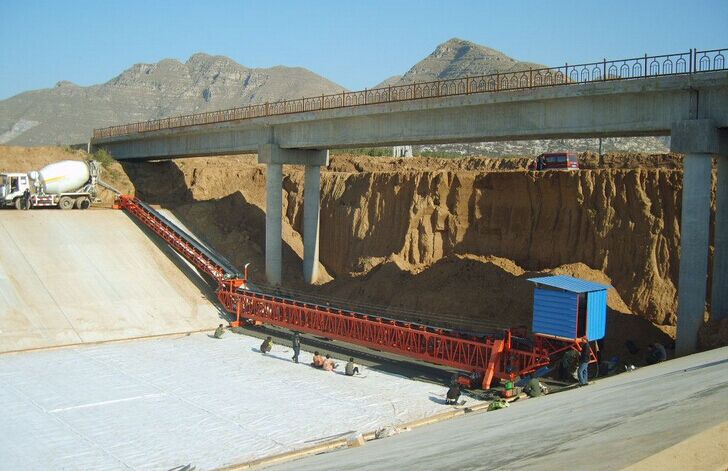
555,161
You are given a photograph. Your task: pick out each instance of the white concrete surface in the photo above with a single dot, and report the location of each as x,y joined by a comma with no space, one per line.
70,277
161,403
604,426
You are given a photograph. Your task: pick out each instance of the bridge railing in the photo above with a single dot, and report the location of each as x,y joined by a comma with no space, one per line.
688,62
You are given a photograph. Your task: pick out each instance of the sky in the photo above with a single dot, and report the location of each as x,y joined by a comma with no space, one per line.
355,44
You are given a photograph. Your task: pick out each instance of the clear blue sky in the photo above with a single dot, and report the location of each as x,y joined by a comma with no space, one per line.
356,44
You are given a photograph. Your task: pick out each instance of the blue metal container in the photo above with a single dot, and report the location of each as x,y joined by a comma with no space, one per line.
570,308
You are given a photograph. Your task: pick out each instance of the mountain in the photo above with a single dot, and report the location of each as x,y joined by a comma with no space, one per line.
460,58
68,113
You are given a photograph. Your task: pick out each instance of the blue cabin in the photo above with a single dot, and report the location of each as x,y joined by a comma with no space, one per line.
570,308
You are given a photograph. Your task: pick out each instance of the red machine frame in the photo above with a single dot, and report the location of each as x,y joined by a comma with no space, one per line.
500,356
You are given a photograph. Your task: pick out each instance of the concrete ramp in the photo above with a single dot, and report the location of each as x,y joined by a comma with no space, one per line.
70,277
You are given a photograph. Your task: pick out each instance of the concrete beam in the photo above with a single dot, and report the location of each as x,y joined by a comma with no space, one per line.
694,136
274,154
719,298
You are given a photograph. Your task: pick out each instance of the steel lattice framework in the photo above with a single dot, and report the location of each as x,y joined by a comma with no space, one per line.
500,355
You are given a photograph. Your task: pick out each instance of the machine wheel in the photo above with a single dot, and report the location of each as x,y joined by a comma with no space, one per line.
19,203
83,203
66,202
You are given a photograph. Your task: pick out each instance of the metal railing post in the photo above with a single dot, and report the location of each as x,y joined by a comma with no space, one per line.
645,65
604,69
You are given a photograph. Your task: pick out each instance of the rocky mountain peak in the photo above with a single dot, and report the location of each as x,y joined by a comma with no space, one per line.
459,58
65,84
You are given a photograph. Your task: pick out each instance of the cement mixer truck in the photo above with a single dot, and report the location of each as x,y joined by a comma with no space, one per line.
66,184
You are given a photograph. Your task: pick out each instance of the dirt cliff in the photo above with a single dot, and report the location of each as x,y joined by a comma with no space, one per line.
449,241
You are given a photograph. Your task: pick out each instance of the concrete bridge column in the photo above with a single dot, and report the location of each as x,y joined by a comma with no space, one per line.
698,140
719,301
273,216
275,157
311,211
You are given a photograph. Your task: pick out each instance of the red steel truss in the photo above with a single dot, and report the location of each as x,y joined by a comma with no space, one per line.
501,356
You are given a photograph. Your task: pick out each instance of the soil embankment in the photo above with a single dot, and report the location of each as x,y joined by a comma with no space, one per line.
452,240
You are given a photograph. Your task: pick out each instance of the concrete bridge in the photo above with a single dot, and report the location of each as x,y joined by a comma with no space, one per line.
683,95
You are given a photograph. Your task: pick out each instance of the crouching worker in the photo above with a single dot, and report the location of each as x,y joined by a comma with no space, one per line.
329,364
453,394
656,353
219,332
318,360
351,369
267,345
534,388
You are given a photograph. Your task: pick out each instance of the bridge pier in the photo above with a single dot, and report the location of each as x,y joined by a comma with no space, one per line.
719,298
275,157
698,140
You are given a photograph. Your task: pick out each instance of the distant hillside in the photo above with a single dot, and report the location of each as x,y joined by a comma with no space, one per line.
459,58
68,113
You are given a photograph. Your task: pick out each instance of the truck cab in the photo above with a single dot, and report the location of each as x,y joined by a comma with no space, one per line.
12,186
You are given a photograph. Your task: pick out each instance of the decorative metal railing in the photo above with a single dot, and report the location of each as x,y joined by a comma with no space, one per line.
689,62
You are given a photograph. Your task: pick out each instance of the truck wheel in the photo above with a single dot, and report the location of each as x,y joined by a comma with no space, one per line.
19,203
83,203
66,202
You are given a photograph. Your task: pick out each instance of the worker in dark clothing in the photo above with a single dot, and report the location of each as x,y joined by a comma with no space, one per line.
568,365
584,359
656,354
26,199
533,388
453,394
267,345
351,369
296,344
219,332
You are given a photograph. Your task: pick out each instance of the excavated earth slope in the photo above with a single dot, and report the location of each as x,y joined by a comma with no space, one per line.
453,241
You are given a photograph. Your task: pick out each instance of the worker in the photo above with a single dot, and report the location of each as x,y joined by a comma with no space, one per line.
329,364
318,360
656,353
584,359
296,344
267,345
26,199
476,380
453,394
219,331
351,369
533,388
568,365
